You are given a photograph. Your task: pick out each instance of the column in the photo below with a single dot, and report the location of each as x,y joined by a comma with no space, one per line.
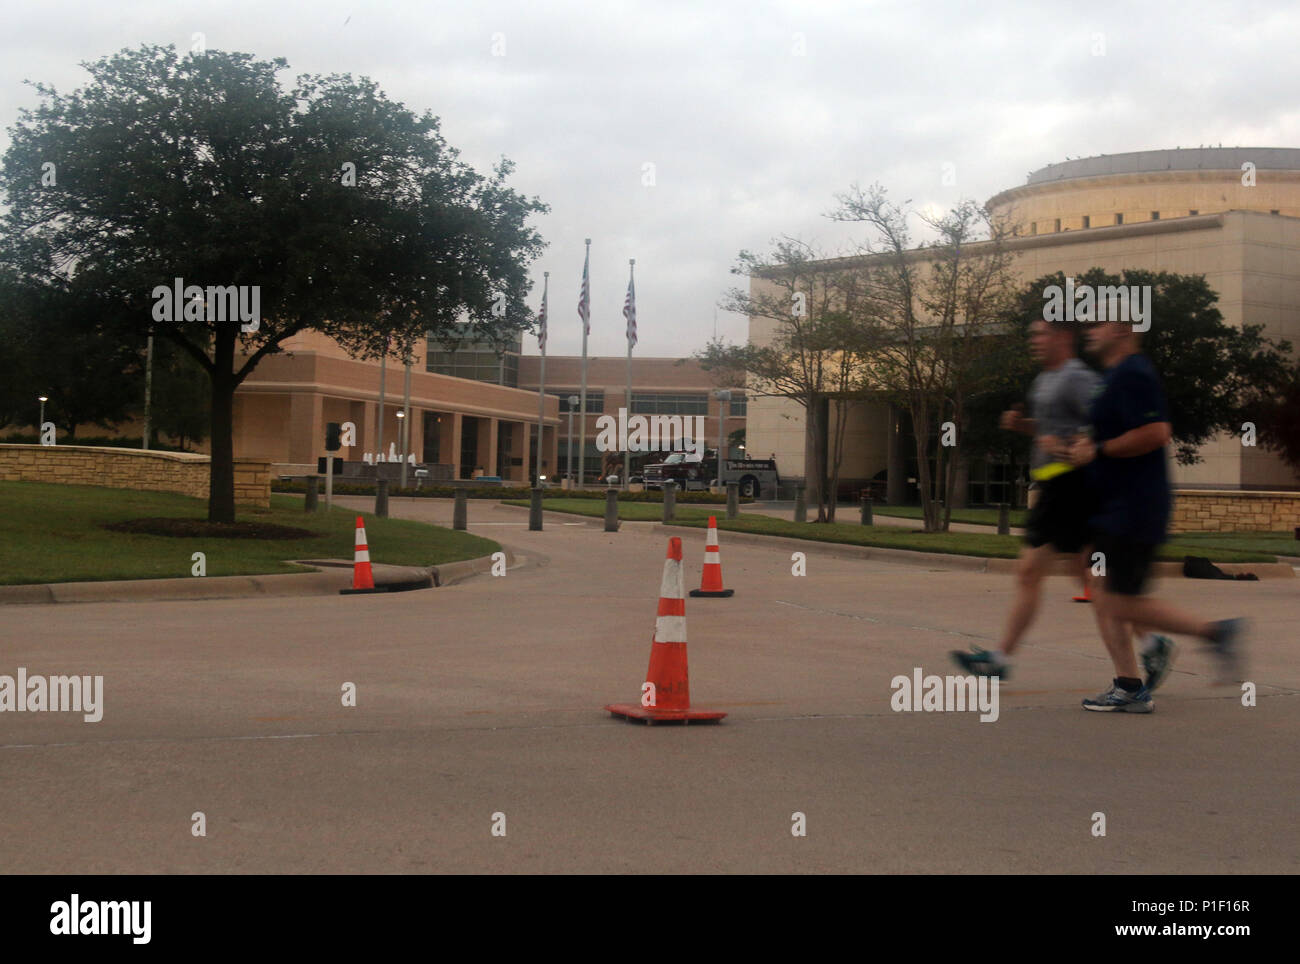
452,444
489,463
306,427
896,486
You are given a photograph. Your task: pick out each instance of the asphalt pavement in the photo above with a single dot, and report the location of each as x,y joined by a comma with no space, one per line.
479,708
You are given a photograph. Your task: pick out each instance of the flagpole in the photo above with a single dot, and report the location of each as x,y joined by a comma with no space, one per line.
582,408
541,384
627,453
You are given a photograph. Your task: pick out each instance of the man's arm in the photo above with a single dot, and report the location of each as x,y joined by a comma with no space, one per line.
1138,441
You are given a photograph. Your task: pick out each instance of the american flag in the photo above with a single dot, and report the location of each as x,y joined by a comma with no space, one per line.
541,325
629,312
584,300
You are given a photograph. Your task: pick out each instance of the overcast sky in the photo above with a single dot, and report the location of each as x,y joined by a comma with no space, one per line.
753,114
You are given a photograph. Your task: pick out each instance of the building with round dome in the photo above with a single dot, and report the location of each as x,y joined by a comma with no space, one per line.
1231,214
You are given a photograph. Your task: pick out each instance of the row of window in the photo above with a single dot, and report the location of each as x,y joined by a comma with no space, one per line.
651,403
1119,219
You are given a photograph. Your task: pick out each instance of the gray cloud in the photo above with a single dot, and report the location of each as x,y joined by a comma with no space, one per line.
749,140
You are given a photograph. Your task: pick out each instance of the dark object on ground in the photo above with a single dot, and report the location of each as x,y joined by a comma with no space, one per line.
1198,567
189,528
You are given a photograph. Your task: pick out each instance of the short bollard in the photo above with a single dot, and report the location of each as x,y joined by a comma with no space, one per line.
460,510
1004,519
670,501
535,510
611,510
312,502
800,505
381,498
733,499
866,511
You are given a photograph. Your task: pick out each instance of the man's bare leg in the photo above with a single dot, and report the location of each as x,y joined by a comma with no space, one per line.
1031,567
1115,631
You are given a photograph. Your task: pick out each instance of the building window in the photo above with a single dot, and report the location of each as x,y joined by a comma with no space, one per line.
1033,227
1192,213
666,404
1155,215
1119,219
739,405
1275,211
1087,221
1058,224
595,400
475,360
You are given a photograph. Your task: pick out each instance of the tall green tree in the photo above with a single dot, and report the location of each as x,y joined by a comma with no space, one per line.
814,352
1278,421
349,214
57,344
932,310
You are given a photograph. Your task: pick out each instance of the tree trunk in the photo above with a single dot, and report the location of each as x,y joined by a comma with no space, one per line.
221,478
921,432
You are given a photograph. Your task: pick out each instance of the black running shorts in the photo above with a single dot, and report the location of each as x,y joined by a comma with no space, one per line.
1060,516
1128,563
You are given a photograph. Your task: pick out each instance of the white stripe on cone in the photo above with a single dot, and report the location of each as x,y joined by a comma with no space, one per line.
361,536
363,555
670,629
670,587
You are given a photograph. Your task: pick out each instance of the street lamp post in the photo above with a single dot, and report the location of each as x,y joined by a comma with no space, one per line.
40,426
724,403
573,400
401,441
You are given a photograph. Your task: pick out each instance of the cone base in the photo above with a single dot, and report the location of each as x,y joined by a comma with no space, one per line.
651,714
719,594
1082,599
362,592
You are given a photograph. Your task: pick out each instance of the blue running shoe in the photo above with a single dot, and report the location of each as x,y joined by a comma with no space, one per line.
1157,658
1117,700
982,662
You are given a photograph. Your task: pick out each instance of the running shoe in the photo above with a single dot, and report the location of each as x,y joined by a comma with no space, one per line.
982,662
1157,658
1227,651
1117,700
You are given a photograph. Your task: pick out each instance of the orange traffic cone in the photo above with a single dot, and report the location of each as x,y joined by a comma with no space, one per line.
711,578
363,578
666,693
1086,597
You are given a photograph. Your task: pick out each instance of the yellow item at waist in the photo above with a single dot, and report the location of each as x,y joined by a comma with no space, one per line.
1050,471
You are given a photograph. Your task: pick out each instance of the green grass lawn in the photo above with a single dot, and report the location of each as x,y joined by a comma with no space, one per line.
631,511
1278,543
979,517
53,533
1246,549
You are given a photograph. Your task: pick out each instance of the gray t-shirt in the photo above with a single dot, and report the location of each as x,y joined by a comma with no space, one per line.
1059,401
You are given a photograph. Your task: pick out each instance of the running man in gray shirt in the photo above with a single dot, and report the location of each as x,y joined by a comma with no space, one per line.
1059,399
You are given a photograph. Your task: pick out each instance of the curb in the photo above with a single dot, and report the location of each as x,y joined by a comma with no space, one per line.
1063,566
331,576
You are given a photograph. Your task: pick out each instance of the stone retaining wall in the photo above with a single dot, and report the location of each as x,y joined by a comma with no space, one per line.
1203,510
180,472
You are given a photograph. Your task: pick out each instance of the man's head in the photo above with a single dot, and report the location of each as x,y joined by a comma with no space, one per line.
1110,341
1051,343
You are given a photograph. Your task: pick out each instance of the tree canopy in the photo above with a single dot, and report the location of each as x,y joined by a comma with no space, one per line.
348,213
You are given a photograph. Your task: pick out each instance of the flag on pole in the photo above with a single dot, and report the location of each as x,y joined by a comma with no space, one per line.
541,325
584,301
629,312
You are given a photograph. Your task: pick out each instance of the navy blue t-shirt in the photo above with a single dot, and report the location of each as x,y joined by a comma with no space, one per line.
1133,493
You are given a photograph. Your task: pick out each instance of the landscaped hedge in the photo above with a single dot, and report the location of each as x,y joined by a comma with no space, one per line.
500,492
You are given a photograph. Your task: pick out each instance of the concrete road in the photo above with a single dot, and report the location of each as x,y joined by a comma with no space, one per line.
485,698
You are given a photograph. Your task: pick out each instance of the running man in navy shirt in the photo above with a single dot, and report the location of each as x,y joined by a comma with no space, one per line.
1126,455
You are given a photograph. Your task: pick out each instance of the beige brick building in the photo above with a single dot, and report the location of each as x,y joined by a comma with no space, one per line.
1231,214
